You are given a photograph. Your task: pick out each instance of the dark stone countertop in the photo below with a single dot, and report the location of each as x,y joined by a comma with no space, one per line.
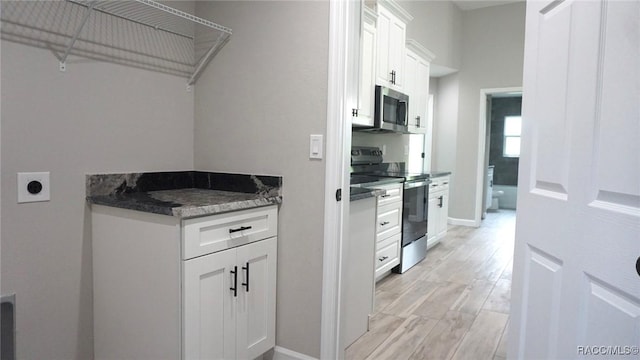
436,174
184,194
359,193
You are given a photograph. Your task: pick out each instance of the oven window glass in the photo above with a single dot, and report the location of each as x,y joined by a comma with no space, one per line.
414,216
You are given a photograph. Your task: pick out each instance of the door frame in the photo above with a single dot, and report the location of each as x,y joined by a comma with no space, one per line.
344,25
481,172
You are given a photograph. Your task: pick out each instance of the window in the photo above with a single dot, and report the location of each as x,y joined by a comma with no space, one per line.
512,128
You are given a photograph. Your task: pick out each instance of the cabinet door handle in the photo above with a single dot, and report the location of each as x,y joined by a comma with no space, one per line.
418,121
440,204
384,223
247,283
241,228
383,258
235,281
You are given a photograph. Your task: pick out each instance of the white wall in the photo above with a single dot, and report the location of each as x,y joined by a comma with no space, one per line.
255,107
437,25
96,117
492,57
445,125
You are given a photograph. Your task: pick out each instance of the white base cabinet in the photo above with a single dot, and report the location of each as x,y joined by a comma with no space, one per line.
152,300
388,229
438,207
229,301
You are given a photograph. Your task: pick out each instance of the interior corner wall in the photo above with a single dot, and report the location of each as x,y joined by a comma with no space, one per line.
255,107
437,25
93,118
492,57
445,125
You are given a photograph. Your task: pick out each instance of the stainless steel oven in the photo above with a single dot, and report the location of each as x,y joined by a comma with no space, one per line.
414,223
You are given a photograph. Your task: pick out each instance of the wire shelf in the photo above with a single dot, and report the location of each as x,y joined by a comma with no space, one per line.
138,33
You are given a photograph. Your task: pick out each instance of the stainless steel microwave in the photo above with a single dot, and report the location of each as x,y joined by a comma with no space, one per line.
391,111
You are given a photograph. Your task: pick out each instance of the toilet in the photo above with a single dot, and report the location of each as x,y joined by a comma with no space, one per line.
495,199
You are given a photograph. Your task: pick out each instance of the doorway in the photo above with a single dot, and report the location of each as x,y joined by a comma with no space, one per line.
502,151
498,146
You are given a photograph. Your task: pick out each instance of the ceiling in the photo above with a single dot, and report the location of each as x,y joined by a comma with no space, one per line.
477,4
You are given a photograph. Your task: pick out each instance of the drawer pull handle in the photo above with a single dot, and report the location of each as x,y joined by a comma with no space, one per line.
235,281
241,228
385,196
247,283
383,258
384,223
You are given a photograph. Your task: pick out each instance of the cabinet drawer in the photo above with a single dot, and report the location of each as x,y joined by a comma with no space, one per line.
387,255
388,221
209,234
394,194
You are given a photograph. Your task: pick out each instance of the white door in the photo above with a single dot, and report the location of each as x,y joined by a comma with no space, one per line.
209,307
576,290
256,329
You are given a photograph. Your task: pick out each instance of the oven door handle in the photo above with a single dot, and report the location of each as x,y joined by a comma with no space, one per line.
415,184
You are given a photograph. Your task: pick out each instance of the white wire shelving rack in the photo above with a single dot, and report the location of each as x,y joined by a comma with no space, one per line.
139,33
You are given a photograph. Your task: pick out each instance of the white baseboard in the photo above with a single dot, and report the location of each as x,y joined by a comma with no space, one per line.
281,353
462,222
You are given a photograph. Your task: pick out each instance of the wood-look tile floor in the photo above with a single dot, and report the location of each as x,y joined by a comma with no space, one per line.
453,305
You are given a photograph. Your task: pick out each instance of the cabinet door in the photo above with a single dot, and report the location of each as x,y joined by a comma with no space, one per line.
422,94
411,85
256,330
397,34
432,219
384,22
443,214
209,307
367,77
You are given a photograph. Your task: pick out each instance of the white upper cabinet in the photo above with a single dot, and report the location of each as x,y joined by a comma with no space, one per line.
390,43
417,63
363,115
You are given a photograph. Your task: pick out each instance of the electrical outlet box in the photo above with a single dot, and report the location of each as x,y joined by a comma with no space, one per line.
33,187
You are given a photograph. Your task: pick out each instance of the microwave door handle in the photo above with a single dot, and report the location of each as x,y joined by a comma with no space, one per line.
406,112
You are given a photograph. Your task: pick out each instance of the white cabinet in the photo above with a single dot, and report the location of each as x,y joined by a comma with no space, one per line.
438,216
229,302
390,44
417,64
363,115
359,270
166,288
388,229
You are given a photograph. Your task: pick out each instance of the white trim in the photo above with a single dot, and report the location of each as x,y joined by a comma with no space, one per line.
396,10
422,51
462,222
482,130
280,353
344,25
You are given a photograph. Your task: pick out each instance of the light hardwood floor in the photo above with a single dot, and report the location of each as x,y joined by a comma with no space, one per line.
453,305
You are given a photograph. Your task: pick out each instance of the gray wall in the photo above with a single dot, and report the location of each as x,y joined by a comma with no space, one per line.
96,117
437,25
492,57
255,107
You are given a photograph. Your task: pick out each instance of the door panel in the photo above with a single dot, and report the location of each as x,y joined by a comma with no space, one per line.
257,307
209,307
578,228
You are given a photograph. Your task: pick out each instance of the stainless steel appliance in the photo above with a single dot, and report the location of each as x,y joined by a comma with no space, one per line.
366,162
391,111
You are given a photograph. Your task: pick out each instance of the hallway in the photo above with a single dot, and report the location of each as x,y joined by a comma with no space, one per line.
453,305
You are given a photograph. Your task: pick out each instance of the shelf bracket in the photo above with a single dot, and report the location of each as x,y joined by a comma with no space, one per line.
63,60
220,42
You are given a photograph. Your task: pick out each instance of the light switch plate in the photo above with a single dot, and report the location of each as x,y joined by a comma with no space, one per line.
315,147
39,190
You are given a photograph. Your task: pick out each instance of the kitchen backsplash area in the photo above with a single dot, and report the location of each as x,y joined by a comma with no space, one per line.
396,147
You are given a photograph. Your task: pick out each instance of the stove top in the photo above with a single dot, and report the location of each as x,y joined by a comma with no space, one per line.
367,161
